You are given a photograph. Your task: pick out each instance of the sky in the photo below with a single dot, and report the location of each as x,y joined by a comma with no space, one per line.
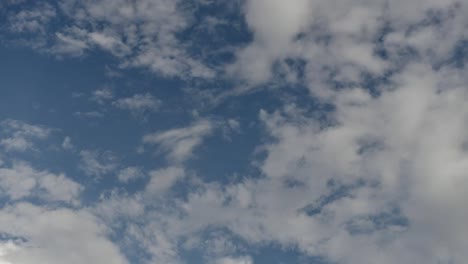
233,131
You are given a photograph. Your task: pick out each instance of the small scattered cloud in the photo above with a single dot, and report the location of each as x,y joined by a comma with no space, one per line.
67,144
97,163
230,127
22,181
111,73
234,260
89,114
138,103
163,179
33,20
234,124
102,95
179,143
20,136
17,144
130,174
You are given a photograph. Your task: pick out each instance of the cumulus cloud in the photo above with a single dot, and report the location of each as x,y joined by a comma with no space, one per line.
54,236
22,181
373,180
272,37
20,136
368,184
340,42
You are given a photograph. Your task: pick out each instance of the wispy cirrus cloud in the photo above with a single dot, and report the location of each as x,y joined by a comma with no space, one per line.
163,179
179,143
89,114
138,103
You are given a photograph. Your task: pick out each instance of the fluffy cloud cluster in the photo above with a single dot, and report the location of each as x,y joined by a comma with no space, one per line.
20,136
54,236
379,176
141,34
348,40
21,181
40,219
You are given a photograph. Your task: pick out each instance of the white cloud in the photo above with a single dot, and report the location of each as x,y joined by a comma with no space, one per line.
22,181
5,249
20,136
8,3
163,179
108,42
215,245
337,40
409,141
20,128
70,42
53,236
331,187
96,163
90,114
383,181
110,26
17,144
67,144
138,103
179,143
102,95
234,124
32,21
234,260
274,24
130,174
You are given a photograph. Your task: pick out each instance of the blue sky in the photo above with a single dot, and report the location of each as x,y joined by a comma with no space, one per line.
233,132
